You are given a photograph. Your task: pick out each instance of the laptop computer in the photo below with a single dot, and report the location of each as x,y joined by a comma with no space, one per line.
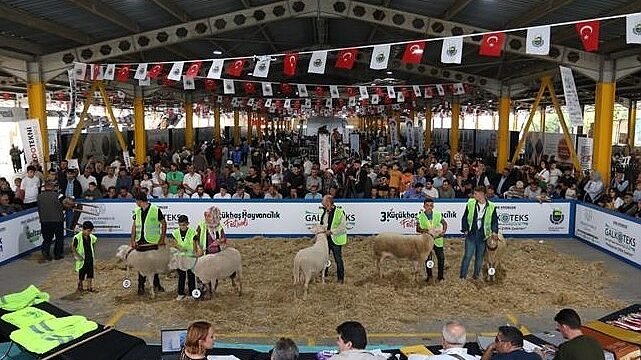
171,343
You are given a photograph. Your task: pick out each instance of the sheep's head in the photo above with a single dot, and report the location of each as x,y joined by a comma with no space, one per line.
316,229
436,231
173,262
122,252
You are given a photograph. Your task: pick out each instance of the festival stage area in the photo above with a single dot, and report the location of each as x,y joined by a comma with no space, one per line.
542,278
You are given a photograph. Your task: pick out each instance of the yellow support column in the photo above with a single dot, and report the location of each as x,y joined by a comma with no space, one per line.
38,110
503,139
427,140
189,123
259,127
603,121
249,127
632,123
217,124
454,129
140,140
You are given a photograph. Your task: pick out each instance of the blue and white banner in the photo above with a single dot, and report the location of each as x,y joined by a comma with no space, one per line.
19,234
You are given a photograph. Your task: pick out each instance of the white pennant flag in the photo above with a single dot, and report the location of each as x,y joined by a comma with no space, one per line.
352,101
459,89
216,69
400,97
144,82
219,99
261,69
176,72
235,102
317,62
97,72
188,83
302,90
250,102
79,71
308,103
141,72
333,91
440,89
390,92
380,57
268,103
110,72
228,86
267,89
48,97
417,90
363,91
375,99
538,40
452,50
633,29
328,102
288,103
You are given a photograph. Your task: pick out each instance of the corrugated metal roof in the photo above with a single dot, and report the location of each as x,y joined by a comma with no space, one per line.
493,15
198,9
145,13
427,8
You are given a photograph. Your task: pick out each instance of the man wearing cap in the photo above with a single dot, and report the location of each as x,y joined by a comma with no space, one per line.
147,233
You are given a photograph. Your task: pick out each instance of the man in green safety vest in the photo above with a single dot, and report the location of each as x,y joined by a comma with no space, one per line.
147,233
430,219
478,223
334,218
184,242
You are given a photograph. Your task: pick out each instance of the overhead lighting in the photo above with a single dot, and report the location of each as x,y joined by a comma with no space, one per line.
373,85
250,74
218,52
389,73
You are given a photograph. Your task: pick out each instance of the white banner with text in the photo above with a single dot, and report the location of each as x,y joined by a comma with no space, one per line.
18,235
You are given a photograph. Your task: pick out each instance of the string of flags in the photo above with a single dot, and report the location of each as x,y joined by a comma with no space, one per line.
491,45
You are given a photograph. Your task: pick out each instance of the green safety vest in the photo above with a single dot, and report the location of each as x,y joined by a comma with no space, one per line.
185,244
80,248
336,221
20,300
203,234
26,317
47,335
152,225
487,218
425,223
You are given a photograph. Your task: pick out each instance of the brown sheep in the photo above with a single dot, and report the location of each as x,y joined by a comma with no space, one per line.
493,269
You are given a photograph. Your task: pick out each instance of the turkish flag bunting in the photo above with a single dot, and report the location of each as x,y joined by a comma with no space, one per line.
155,71
236,67
589,33
320,91
290,62
194,68
210,84
413,52
492,44
286,89
346,59
250,88
123,73
351,92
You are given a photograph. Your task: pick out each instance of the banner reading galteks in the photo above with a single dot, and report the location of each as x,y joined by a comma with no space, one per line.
32,141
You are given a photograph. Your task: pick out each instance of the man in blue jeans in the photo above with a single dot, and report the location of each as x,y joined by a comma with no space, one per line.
479,222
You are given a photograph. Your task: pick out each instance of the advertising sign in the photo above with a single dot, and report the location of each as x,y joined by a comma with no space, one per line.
19,234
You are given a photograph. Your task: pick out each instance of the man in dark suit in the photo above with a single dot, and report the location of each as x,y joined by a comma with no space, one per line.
503,183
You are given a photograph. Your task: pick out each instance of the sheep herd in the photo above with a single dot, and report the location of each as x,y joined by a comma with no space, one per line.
308,262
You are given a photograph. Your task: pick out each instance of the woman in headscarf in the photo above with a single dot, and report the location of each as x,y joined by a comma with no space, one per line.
210,235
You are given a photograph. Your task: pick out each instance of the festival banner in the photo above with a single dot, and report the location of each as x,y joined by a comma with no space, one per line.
19,234
572,105
409,133
32,141
393,134
584,152
324,151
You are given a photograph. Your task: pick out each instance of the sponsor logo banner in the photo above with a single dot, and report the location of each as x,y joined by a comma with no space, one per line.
19,235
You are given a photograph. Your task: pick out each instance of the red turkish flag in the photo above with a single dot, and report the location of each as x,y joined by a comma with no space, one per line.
589,33
210,84
492,44
250,88
289,64
413,52
320,91
346,59
351,91
155,71
286,89
236,67
123,74
194,68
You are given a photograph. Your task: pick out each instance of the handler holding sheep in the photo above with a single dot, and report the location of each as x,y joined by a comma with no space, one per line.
333,218
478,223
433,219
147,233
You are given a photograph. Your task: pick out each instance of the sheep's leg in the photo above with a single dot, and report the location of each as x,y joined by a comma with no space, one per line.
379,263
416,270
215,285
211,293
240,285
323,276
307,278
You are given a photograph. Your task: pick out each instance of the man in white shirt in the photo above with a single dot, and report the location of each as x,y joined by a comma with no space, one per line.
86,178
240,193
109,180
307,167
453,340
223,194
31,186
200,193
555,174
191,180
157,180
429,190
273,193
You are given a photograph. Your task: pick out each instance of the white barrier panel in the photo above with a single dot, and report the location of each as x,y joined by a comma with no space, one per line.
363,218
19,235
610,232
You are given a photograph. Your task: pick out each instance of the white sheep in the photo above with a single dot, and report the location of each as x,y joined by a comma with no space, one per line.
213,267
309,261
416,248
147,263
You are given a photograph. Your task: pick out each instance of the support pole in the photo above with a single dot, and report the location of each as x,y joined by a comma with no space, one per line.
542,123
217,137
81,122
250,135
503,140
632,122
236,128
535,106
427,142
454,129
603,121
566,132
140,140
110,112
259,128
189,122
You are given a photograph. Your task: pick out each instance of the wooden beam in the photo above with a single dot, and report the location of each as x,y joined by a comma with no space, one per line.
457,7
24,18
108,13
537,11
